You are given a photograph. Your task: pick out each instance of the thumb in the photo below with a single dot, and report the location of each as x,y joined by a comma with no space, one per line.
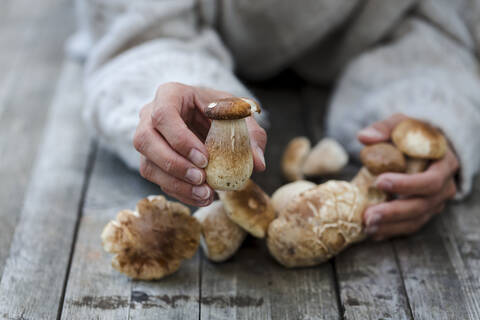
380,131
258,141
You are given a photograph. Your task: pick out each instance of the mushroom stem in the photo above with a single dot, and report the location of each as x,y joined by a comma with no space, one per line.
415,165
230,162
365,180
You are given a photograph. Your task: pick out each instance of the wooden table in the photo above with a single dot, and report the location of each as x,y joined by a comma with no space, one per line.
59,188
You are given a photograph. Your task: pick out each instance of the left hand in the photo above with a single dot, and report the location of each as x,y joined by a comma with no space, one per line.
421,195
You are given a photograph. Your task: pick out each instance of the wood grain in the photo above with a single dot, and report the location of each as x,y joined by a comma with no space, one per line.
34,274
32,47
95,289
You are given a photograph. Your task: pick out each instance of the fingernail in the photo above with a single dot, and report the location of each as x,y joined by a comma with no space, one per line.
198,158
371,230
194,176
261,156
371,132
201,193
384,184
373,219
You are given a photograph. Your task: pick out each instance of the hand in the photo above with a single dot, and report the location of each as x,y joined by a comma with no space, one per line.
170,138
421,195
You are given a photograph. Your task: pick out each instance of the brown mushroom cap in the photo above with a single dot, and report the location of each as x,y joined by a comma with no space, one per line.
383,157
419,139
317,225
151,242
250,208
232,108
286,193
221,237
293,158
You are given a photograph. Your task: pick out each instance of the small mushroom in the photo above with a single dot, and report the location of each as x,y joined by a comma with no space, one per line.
230,162
285,194
152,241
327,157
382,157
250,208
419,139
293,158
221,237
317,224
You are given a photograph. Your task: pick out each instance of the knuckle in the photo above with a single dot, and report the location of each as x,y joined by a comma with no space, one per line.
141,141
159,116
168,165
146,170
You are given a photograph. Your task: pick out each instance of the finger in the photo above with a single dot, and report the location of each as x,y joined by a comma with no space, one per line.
428,182
258,141
166,119
150,144
380,131
408,208
194,195
389,230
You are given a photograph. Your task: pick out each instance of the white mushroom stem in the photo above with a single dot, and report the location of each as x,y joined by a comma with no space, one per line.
365,180
230,163
415,165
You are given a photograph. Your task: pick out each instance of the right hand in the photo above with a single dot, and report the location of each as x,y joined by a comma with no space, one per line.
170,138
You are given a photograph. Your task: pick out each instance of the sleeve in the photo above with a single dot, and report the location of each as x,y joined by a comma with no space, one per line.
422,73
131,48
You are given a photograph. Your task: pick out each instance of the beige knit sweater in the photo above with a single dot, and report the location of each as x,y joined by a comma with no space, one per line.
385,56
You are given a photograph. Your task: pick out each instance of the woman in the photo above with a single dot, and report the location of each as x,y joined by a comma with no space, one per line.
416,58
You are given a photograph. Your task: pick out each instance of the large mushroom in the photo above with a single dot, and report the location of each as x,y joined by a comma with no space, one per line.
230,162
250,208
152,241
420,141
317,224
221,237
285,194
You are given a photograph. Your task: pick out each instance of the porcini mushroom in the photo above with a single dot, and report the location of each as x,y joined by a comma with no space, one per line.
317,224
327,157
421,142
419,139
250,208
377,159
293,158
221,237
152,241
283,195
230,162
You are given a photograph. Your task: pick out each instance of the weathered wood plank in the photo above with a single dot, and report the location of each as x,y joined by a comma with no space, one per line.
252,285
95,289
34,274
29,68
368,276
441,264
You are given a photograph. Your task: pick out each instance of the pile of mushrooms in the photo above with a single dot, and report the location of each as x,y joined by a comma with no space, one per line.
304,224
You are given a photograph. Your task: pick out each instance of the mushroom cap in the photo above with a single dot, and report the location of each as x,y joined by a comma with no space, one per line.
317,224
419,139
152,241
382,157
327,157
293,158
221,237
232,108
250,208
283,195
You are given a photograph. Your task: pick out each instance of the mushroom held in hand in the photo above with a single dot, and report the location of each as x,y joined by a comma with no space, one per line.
221,237
250,208
151,242
317,224
327,157
420,141
285,194
230,162
293,158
